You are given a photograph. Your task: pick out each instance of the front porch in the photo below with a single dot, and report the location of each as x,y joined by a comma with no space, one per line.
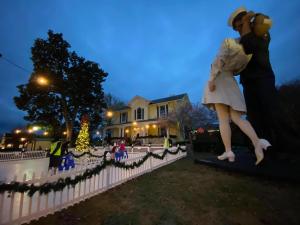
147,132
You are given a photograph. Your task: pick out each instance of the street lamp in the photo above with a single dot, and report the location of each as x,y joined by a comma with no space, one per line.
109,113
42,81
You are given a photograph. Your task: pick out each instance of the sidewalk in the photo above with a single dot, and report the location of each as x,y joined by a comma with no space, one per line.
279,170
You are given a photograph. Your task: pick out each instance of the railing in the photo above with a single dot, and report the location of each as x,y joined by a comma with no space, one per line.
18,208
7,156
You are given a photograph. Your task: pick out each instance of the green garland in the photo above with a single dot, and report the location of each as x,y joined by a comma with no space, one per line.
61,183
84,153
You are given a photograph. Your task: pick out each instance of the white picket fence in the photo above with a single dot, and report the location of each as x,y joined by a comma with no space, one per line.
18,208
8,156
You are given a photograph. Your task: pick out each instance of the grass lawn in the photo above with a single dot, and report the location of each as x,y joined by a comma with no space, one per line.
188,193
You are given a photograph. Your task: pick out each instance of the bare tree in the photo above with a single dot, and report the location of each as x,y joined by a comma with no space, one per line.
188,116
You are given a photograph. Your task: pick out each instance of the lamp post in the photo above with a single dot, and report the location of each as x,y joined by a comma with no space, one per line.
43,81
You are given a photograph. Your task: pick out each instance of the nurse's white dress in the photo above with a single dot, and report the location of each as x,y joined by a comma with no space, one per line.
230,60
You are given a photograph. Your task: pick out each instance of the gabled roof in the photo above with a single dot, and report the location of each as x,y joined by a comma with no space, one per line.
155,101
120,108
171,98
137,97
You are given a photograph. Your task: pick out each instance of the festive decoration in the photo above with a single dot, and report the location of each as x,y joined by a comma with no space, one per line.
61,183
83,139
84,153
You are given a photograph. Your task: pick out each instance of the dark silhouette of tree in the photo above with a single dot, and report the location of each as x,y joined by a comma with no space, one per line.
289,101
189,116
74,87
113,102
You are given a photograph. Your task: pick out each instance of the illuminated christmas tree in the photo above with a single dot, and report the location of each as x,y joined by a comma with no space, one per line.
83,139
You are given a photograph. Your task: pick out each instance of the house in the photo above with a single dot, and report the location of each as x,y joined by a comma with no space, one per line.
18,141
146,118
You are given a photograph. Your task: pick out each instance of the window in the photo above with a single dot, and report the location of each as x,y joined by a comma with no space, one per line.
123,117
163,110
139,114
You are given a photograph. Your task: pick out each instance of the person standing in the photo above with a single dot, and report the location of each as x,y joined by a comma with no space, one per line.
258,79
223,95
55,154
166,142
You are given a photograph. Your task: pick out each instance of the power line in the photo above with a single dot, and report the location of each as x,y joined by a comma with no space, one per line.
14,64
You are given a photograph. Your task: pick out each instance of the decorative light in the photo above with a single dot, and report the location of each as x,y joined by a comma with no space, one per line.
30,130
97,132
42,81
9,145
17,131
109,114
65,133
147,126
23,139
127,131
154,125
46,133
134,123
35,128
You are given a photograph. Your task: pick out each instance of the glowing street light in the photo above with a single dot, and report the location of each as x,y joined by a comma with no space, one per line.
17,131
23,139
46,133
65,133
109,114
42,81
30,130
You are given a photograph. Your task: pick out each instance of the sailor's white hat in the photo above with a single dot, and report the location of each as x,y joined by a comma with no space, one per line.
234,14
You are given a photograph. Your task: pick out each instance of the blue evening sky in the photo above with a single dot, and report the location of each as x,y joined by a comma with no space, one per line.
151,48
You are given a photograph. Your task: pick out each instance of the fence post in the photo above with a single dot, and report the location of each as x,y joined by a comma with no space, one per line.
108,177
12,199
150,158
30,199
2,196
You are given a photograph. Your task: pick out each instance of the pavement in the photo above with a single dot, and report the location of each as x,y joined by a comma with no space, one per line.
281,169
